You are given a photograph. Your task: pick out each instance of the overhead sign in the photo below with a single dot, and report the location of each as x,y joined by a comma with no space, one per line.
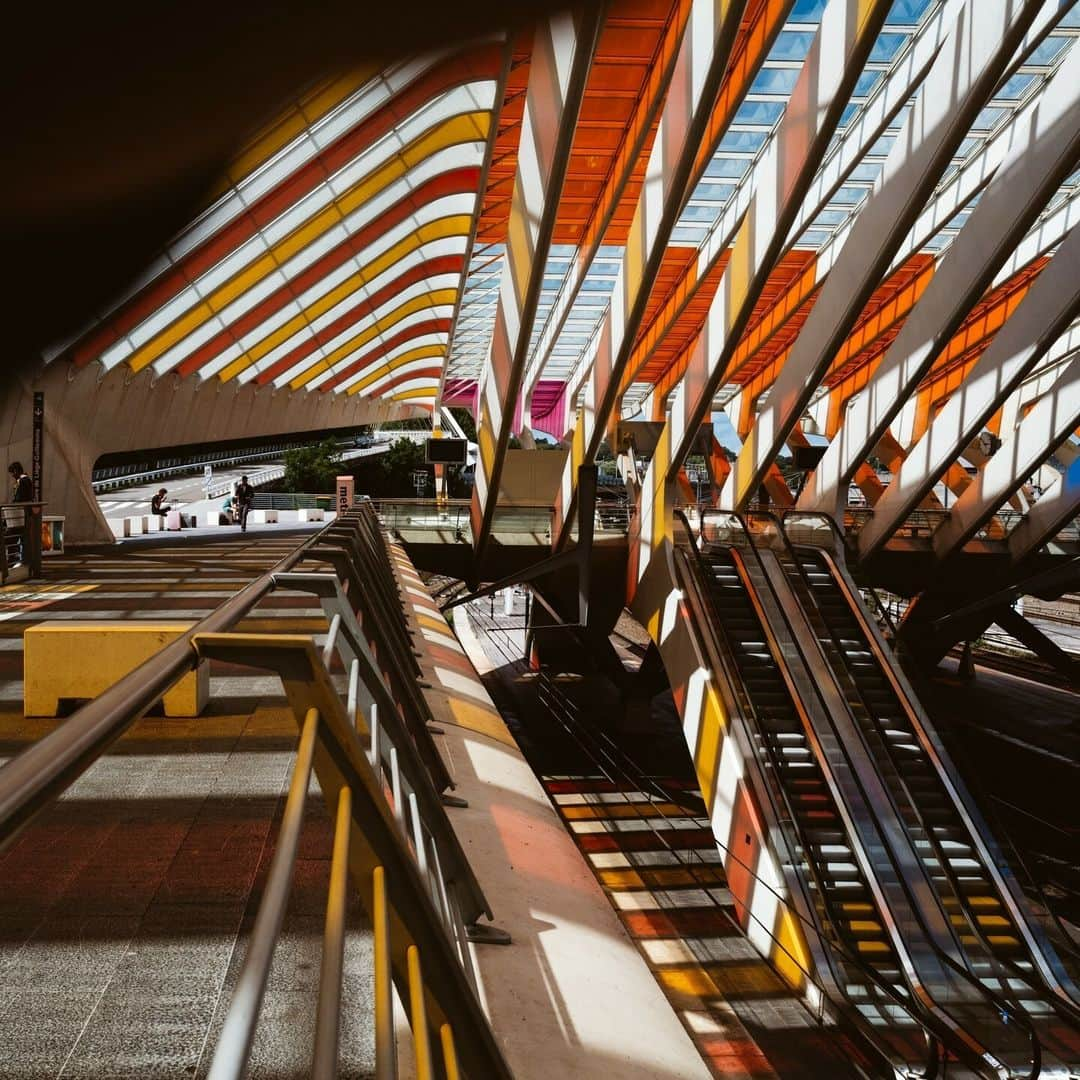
446,451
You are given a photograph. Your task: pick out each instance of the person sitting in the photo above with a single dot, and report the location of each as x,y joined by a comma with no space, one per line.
158,505
228,508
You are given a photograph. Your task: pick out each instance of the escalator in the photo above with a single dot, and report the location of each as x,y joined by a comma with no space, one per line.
995,939
867,971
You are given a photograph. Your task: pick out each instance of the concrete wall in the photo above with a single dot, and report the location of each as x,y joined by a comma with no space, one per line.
531,476
89,413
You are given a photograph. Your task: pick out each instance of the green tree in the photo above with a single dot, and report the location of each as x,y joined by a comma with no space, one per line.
312,469
398,464
464,417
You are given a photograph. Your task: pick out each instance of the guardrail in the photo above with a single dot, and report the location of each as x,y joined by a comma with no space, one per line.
384,782
132,479
20,539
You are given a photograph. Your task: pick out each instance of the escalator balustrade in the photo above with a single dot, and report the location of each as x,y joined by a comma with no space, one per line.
846,906
992,945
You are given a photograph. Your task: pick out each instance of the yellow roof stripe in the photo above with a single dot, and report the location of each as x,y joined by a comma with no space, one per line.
425,352
440,229
290,125
411,395
468,127
417,303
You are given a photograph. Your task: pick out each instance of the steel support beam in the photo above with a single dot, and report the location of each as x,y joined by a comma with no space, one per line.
1057,507
1049,423
858,138
829,73
1044,314
635,135
1044,153
675,162
1015,625
969,65
562,54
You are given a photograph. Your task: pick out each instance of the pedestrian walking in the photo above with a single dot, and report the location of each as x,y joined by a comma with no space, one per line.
243,500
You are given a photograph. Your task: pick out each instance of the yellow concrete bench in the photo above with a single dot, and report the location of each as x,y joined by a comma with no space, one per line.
81,659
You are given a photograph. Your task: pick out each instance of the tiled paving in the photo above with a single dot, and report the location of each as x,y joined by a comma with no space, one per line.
124,909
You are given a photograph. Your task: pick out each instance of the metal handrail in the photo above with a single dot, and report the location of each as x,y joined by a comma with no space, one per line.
38,775
1003,1006
833,942
842,671
381,843
414,869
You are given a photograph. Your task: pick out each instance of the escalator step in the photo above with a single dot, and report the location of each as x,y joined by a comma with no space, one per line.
872,947
865,926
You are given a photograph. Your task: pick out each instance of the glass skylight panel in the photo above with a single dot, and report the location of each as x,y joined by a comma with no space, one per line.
909,12
791,45
746,142
1047,50
886,47
765,113
867,83
775,80
727,167
1014,87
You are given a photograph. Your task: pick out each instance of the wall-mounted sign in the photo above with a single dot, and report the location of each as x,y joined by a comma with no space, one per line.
346,486
37,446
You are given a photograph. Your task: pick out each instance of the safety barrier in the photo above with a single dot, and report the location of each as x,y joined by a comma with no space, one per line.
20,540
386,787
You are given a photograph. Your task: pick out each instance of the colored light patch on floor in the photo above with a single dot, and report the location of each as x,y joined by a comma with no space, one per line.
661,870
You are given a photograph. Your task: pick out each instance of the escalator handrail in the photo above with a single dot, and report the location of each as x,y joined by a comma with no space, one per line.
927,1024
902,702
1059,999
1003,1006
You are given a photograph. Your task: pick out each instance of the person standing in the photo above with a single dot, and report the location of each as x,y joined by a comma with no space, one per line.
244,499
24,486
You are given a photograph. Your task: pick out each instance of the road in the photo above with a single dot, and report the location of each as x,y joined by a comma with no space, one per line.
183,490
187,491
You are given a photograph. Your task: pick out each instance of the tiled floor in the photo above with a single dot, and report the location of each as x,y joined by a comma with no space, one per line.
655,857
124,909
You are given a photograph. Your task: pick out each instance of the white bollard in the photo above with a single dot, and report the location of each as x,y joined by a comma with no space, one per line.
508,601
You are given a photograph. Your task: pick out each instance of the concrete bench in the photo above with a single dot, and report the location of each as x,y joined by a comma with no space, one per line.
81,659
128,526
263,517
310,514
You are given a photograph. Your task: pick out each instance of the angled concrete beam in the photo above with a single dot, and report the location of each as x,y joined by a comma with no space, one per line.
1039,382
636,132
888,99
672,168
836,58
1044,314
1058,506
562,54
1049,424
967,68
1045,151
